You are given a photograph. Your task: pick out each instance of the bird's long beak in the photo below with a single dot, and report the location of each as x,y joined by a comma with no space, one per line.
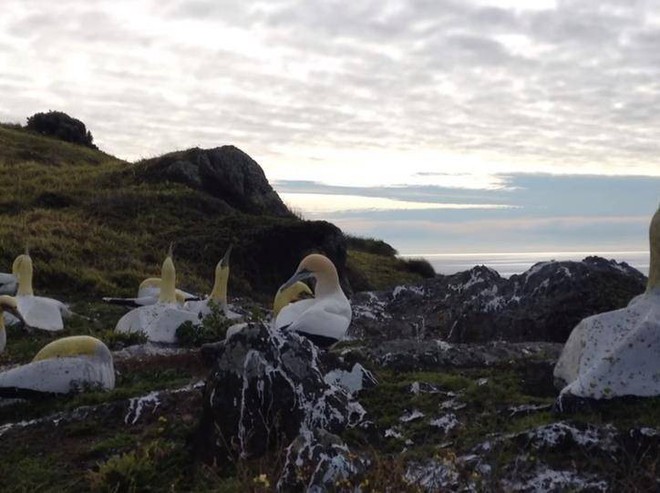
298,276
225,259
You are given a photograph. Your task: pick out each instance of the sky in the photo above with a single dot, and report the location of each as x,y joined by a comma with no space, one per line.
441,126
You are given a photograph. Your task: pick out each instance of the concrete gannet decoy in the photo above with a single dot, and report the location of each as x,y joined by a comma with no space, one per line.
218,294
160,320
65,365
296,292
148,293
8,283
325,318
39,312
7,304
617,353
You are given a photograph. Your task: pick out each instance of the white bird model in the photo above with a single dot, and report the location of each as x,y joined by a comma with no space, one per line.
7,304
8,283
159,321
39,312
218,296
617,353
148,294
325,318
65,365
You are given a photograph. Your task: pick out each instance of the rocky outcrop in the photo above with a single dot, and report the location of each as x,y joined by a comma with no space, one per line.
225,172
542,304
266,389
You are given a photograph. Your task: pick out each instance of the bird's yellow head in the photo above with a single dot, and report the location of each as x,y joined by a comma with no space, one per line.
296,292
219,291
69,347
321,269
22,268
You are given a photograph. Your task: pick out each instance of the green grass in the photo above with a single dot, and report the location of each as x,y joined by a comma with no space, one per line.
377,272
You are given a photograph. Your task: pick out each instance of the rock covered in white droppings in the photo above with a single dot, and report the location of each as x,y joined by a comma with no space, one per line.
411,416
446,423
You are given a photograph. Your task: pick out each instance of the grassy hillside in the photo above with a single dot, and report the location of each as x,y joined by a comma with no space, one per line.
95,226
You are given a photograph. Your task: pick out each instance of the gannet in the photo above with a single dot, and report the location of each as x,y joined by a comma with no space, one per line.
296,292
65,365
218,294
8,304
148,293
160,320
8,283
39,312
617,353
325,318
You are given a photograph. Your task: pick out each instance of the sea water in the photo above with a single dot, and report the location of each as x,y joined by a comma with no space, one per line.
508,264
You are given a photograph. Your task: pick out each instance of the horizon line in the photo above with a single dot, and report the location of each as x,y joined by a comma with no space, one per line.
592,252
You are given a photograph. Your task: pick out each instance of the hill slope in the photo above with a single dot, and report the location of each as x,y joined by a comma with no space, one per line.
96,225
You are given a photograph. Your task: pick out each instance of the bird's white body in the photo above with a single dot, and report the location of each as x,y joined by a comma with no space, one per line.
39,312
617,353
8,283
321,317
325,318
149,293
614,353
66,372
158,322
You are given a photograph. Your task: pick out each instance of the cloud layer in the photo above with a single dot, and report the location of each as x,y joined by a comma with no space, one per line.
443,86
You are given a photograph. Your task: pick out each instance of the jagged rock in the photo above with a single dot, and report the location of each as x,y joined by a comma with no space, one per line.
266,388
544,458
225,172
414,355
317,461
542,304
116,414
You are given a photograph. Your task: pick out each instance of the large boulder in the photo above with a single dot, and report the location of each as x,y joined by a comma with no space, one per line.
266,388
542,304
224,172
61,126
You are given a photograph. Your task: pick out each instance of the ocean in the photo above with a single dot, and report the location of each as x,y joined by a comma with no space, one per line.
508,264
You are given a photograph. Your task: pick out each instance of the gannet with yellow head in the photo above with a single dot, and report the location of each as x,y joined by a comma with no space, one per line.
218,294
295,292
65,365
38,311
148,293
617,353
7,304
160,320
325,318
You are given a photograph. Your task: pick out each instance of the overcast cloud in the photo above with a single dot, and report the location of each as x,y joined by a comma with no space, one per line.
363,93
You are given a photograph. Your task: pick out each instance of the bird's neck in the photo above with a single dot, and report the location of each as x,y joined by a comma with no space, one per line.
654,268
327,284
167,283
219,291
25,282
